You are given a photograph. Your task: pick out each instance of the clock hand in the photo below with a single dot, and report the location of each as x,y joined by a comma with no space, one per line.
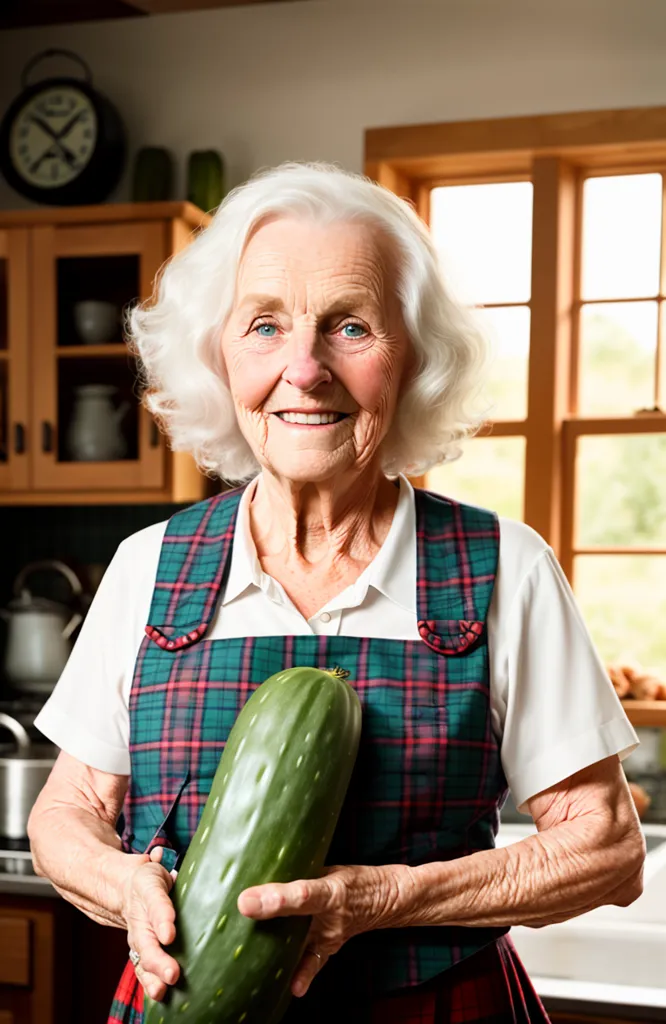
66,153
51,131
70,124
52,151
44,126
38,162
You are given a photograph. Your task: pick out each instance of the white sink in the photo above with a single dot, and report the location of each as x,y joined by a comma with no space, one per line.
612,945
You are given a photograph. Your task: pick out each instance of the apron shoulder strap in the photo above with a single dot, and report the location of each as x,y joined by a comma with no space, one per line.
194,560
457,554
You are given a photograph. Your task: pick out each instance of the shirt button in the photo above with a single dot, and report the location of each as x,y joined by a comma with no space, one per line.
325,617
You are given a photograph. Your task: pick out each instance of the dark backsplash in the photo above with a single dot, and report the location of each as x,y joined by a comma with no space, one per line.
81,535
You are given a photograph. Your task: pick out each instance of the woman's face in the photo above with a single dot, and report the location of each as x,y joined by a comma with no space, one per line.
315,348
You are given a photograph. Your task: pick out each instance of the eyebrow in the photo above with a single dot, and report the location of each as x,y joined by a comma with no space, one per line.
343,304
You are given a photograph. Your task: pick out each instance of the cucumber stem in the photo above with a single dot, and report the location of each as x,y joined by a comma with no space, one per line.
338,673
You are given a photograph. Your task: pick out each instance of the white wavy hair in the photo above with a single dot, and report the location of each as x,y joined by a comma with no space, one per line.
176,334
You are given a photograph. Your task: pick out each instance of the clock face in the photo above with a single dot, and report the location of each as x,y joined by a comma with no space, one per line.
53,137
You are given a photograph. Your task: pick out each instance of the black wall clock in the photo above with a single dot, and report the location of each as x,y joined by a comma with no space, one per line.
61,142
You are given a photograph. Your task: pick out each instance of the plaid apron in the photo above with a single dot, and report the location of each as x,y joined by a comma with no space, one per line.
428,780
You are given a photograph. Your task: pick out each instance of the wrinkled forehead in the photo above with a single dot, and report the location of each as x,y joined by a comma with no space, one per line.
291,254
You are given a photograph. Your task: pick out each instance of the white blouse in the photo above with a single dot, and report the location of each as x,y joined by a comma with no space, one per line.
554,710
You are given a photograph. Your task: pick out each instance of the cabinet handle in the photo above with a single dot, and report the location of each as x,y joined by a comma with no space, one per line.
47,437
19,438
154,434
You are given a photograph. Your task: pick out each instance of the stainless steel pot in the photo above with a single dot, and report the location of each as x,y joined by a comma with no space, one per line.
24,768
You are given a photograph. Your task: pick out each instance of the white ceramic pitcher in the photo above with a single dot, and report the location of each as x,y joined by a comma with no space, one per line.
95,433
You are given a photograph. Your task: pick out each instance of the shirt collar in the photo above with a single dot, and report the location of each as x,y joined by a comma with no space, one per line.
392,571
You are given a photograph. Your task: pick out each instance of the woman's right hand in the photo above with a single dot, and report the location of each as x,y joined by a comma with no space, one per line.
150,918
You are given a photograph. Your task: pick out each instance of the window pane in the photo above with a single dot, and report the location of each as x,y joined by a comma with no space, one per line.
484,236
490,473
612,591
618,343
509,332
621,488
621,236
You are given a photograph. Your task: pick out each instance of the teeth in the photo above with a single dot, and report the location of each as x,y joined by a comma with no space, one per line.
313,419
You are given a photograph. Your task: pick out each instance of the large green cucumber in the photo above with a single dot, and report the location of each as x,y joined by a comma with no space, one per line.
270,817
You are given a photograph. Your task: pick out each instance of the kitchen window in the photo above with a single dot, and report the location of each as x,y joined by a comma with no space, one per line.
556,233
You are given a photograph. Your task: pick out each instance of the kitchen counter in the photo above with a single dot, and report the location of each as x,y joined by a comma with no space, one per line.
621,1002
26,885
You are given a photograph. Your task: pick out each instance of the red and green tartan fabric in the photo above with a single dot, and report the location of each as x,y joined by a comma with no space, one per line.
428,780
490,987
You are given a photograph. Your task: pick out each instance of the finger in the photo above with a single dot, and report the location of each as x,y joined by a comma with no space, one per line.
285,899
151,922
306,972
151,984
154,959
153,889
156,854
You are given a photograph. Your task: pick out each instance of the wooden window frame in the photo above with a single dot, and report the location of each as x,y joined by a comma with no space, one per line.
556,152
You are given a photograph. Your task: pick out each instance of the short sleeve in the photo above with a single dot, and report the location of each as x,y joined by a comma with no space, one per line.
87,714
562,713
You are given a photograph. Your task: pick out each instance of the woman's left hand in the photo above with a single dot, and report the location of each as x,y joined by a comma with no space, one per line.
343,902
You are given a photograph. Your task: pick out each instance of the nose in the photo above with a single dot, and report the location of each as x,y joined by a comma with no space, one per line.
305,367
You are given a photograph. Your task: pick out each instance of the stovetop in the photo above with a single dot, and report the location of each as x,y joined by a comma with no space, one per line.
25,710
15,857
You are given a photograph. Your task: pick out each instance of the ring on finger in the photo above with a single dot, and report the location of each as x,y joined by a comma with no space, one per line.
134,957
315,953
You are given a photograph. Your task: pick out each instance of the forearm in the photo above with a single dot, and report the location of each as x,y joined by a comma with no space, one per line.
81,855
549,877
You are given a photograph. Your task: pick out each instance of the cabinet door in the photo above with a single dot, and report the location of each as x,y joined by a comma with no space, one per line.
14,428
91,432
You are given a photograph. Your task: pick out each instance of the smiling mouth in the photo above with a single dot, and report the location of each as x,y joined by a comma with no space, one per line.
312,419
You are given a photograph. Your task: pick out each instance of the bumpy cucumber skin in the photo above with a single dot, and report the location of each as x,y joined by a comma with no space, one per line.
270,817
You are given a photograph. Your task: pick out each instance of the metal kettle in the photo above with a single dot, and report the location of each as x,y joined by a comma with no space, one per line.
38,632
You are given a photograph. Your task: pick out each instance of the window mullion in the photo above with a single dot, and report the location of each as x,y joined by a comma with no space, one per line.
553,246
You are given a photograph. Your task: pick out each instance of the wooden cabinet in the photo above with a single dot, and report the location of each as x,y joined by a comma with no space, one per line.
51,263
56,965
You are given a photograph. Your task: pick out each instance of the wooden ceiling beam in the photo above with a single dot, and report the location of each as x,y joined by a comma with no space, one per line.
34,13
179,6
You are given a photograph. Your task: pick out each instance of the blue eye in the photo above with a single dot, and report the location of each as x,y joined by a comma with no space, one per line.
353,331
266,330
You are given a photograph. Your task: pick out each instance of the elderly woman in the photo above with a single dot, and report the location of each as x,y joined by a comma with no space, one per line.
305,345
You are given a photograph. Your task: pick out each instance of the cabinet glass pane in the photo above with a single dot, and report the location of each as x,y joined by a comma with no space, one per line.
623,600
4,303
621,490
618,343
508,330
92,293
484,236
98,413
621,236
490,473
4,401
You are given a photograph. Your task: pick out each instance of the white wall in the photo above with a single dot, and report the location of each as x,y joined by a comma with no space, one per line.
303,80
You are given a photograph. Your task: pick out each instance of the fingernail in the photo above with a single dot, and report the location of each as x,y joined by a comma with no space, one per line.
169,975
299,988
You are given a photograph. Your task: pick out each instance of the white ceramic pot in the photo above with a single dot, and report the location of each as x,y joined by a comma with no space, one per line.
96,322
